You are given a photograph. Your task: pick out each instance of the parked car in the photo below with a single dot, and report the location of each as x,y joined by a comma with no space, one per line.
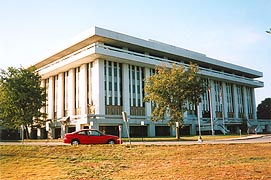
90,136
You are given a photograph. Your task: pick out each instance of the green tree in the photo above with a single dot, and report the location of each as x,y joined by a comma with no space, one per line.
264,109
21,98
170,90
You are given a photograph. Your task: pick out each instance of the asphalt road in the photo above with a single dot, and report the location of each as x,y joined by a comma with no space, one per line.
248,139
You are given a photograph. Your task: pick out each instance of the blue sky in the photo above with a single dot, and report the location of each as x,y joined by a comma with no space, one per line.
229,30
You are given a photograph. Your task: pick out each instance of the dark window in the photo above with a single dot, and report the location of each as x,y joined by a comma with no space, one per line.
162,131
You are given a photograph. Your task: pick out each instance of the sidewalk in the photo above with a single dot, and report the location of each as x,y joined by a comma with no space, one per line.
244,139
254,136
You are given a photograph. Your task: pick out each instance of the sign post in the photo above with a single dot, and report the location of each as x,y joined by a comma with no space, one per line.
125,119
120,131
142,124
198,114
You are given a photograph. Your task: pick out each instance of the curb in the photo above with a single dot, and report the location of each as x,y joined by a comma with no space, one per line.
244,138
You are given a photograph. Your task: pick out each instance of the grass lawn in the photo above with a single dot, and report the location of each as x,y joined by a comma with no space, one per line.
203,161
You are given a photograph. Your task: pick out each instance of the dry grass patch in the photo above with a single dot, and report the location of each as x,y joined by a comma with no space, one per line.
235,161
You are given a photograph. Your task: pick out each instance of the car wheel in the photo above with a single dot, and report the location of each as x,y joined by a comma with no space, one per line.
75,142
111,142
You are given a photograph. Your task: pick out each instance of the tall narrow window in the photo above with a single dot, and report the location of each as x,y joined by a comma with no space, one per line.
218,96
240,100
249,102
113,83
229,97
136,85
89,83
205,102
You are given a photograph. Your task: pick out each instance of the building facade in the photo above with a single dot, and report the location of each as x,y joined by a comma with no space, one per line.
100,74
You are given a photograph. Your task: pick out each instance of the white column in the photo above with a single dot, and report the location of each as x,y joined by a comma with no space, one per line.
51,98
125,88
107,83
200,110
39,135
147,104
151,127
131,85
140,85
235,101
136,93
71,93
118,84
60,92
60,101
125,95
224,100
245,104
83,89
212,93
112,83
98,86
42,84
253,103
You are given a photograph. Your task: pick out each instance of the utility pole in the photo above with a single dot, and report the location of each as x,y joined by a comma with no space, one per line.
198,114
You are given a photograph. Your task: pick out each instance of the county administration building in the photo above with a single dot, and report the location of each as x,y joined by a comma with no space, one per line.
94,78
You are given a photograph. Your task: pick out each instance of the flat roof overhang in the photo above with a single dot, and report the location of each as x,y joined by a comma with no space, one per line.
100,35
100,52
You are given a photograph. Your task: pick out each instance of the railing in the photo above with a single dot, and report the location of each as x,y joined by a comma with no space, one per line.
230,114
113,110
77,111
257,126
219,125
265,121
137,111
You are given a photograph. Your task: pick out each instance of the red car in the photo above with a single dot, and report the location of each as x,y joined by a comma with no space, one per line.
90,136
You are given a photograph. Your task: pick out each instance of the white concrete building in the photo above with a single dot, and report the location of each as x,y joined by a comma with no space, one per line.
95,77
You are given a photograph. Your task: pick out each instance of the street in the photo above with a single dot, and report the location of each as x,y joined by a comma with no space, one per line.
246,139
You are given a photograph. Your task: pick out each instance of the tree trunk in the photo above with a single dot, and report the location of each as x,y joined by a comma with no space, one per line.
26,132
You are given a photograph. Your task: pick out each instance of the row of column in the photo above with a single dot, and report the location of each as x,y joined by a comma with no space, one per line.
235,101
71,93
97,89
98,93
